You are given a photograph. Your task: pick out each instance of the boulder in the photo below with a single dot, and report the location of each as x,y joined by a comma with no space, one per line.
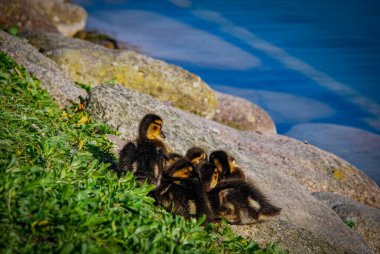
41,15
104,40
305,224
25,16
359,147
58,84
363,219
88,64
68,18
242,114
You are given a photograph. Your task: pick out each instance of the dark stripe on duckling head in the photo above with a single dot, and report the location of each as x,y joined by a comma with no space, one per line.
196,155
220,160
182,168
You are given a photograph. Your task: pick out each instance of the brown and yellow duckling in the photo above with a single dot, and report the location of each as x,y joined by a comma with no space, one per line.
146,157
239,202
179,190
226,165
234,199
171,158
208,172
196,155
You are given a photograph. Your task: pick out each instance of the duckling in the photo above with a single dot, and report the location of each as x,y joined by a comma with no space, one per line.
196,155
226,165
209,176
146,158
179,190
172,157
240,202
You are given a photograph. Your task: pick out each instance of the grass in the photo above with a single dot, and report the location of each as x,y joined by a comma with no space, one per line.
58,192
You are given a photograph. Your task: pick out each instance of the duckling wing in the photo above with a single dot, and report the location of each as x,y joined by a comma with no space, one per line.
127,158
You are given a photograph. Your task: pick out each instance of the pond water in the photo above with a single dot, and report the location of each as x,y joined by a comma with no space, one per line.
314,66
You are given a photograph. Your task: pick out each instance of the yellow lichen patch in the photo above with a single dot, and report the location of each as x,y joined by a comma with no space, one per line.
338,174
158,79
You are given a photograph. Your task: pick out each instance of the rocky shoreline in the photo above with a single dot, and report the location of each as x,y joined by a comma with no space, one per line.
298,177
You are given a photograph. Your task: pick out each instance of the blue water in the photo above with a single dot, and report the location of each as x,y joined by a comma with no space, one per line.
304,62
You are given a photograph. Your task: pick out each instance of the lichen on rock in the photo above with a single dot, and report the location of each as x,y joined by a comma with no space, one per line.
95,65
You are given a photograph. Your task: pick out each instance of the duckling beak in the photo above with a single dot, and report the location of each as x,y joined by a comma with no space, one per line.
162,134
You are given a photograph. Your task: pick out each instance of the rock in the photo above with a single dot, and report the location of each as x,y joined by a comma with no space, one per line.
365,220
67,18
242,114
25,16
104,40
305,224
41,15
96,65
359,147
52,78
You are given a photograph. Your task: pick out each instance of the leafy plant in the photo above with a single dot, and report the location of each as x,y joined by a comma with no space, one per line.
58,192
350,222
13,30
86,87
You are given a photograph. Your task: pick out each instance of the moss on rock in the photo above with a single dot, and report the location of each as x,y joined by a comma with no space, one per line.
166,82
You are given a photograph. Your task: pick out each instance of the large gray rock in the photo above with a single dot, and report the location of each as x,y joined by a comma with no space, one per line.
59,85
42,15
359,147
304,226
88,64
242,114
366,220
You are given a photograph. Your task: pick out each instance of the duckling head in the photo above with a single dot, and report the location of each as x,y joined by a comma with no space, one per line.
209,176
196,155
172,157
221,160
151,128
181,169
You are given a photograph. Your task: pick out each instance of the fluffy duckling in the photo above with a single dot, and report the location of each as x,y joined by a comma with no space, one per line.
240,202
226,166
146,158
171,158
196,155
179,190
209,176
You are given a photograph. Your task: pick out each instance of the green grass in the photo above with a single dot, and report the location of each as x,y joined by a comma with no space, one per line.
59,194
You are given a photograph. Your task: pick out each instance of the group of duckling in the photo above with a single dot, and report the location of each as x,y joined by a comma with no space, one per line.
195,184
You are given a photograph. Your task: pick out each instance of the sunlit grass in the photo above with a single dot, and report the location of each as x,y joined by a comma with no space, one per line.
58,192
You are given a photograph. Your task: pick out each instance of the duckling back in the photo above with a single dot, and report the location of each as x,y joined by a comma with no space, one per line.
179,190
240,202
